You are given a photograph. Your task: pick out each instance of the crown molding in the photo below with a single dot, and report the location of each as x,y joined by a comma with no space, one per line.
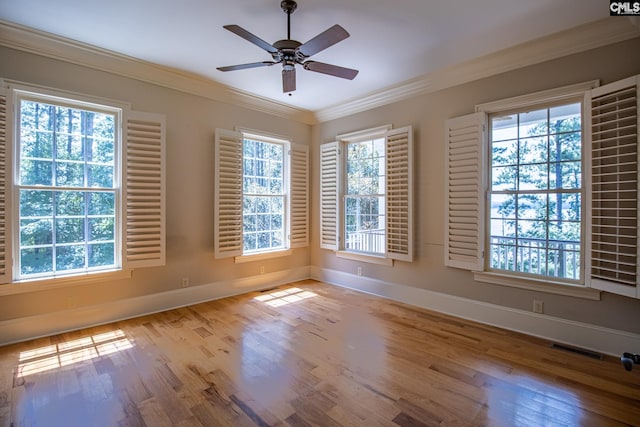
585,37
49,45
578,39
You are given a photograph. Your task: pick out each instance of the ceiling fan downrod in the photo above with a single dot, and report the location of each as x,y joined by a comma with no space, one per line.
288,6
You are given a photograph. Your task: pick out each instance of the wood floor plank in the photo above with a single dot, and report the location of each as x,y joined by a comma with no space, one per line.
308,354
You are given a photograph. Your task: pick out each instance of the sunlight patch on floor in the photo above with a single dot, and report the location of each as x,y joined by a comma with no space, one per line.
55,356
286,296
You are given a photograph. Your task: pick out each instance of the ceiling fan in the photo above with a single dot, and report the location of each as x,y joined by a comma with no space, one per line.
291,52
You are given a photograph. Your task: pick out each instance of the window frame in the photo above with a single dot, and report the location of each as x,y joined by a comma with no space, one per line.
77,102
543,104
286,194
345,142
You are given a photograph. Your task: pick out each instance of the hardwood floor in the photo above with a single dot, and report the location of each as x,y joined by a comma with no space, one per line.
308,354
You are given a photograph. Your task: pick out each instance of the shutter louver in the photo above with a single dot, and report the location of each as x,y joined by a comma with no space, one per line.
299,224
5,266
329,163
398,191
464,204
144,190
614,188
228,195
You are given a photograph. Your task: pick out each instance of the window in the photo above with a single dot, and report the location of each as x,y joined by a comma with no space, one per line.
263,215
261,206
555,175
81,194
66,188
366,191
535,194
364,199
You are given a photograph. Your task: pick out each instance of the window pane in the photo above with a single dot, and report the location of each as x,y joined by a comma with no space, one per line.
533,123
504,128
70,257
101,254
505,153
100,176
565,118
533,150
100,150
70,230
101,203
36,144
69,174
69,147
36,232
36,203
101,229
69,202
533,177
565,146
504,178
36,260
36,172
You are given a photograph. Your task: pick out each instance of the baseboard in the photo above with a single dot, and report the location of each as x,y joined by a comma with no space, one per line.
603,340
16,330
596,338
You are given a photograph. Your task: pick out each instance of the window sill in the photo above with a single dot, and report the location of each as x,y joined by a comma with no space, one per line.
261,256
578,291
36,285
372,259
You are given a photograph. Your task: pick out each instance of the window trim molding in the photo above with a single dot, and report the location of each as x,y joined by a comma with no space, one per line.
542,97
242,259
362,257
77,279
364,134
547,286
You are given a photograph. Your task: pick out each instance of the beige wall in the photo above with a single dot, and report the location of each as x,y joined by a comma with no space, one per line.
191,121
427,115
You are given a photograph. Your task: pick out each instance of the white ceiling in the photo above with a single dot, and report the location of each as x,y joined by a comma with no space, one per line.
391,41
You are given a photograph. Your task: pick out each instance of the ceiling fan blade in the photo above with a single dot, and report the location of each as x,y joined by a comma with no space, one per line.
332,70
288,80
245,66
323,40
238,30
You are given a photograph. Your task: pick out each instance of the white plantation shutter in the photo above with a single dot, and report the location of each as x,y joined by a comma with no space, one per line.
299,212
398,192
143,190
329,163
612,258
5,239
465,192
227,212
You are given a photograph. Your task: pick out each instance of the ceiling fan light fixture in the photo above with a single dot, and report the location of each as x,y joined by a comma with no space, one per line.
290,52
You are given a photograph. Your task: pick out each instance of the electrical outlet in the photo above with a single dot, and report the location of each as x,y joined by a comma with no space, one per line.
538,306
262,269
185,282
359,271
